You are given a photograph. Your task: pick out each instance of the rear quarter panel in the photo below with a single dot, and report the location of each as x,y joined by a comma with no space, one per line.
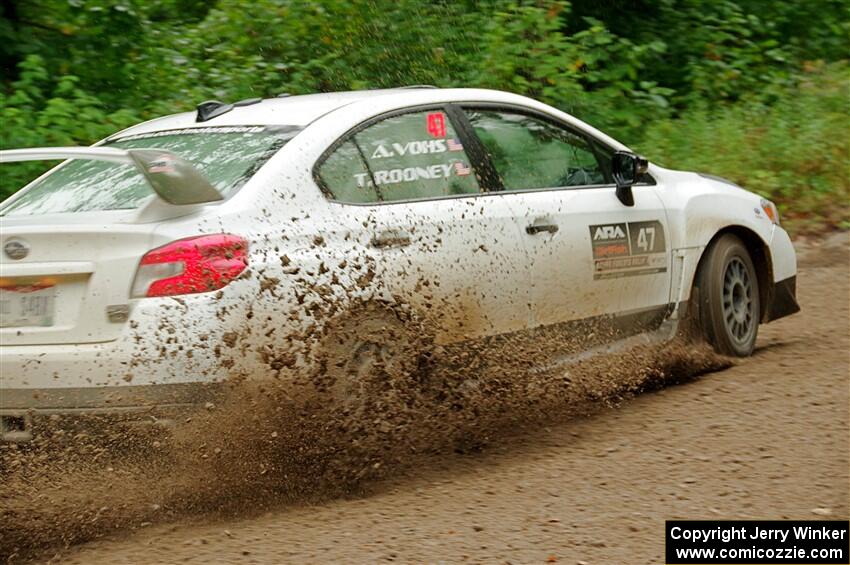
306,261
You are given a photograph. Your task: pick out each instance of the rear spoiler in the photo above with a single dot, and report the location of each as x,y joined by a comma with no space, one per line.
174,180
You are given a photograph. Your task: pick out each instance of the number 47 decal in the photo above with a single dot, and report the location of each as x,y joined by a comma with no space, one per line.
646,239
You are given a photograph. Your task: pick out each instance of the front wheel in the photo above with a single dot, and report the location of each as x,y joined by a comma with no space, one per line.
728,297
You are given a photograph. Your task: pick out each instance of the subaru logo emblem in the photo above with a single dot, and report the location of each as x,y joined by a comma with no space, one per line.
16,249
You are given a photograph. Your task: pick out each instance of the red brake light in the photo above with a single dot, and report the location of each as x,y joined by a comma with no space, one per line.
187,266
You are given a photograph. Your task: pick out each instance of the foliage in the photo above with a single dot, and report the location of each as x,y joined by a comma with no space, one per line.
75,70
794,151
41,112
587,73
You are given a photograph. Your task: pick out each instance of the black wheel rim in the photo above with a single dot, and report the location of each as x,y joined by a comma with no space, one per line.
738,301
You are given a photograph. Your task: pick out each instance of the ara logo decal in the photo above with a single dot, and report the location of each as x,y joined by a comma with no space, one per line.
634,248
612,231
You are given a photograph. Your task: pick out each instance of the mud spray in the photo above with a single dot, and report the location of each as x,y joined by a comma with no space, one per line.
288,440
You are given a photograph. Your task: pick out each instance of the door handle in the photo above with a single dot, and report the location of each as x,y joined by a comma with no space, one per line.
534,229
390,239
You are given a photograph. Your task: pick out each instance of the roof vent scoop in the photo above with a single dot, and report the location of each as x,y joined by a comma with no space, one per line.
211,109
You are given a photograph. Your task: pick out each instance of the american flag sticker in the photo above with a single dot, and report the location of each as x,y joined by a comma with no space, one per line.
454,144
462,169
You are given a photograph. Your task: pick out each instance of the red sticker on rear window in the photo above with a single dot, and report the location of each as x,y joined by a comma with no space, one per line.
437,124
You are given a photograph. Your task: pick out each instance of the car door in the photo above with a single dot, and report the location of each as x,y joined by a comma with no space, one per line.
437,243
589,254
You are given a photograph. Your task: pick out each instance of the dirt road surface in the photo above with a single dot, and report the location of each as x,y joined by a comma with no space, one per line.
767,438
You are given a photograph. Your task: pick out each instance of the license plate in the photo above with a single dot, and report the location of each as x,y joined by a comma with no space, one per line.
27,305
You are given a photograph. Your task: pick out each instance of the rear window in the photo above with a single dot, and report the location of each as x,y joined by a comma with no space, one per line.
227,156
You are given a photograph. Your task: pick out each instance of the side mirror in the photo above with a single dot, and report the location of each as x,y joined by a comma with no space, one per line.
627,168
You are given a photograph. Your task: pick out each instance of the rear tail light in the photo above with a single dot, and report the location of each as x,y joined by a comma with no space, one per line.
187,266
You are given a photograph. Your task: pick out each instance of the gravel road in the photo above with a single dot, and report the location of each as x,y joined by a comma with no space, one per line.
766,438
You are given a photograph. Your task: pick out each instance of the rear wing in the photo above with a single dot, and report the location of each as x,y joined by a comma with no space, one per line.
174,180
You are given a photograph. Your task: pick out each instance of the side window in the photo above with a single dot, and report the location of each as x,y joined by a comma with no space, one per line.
605,157
405,157
345,175
530,153
415,156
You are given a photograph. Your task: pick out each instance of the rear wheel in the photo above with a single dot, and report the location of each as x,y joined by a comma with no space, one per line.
369,356
728,297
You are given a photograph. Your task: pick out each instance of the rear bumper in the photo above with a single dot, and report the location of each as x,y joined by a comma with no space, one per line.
105,399
784,300
21,410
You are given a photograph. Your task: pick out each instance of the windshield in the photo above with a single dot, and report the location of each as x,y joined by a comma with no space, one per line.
227,156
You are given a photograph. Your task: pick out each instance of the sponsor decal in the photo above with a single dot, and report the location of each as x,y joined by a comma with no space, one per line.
615,249
411,174
407,174
627,249
426,147
436,124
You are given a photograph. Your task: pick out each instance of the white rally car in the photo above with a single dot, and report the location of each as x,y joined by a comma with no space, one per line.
203,245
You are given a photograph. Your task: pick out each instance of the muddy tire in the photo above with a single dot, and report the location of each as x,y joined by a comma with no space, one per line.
728,298
368,358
